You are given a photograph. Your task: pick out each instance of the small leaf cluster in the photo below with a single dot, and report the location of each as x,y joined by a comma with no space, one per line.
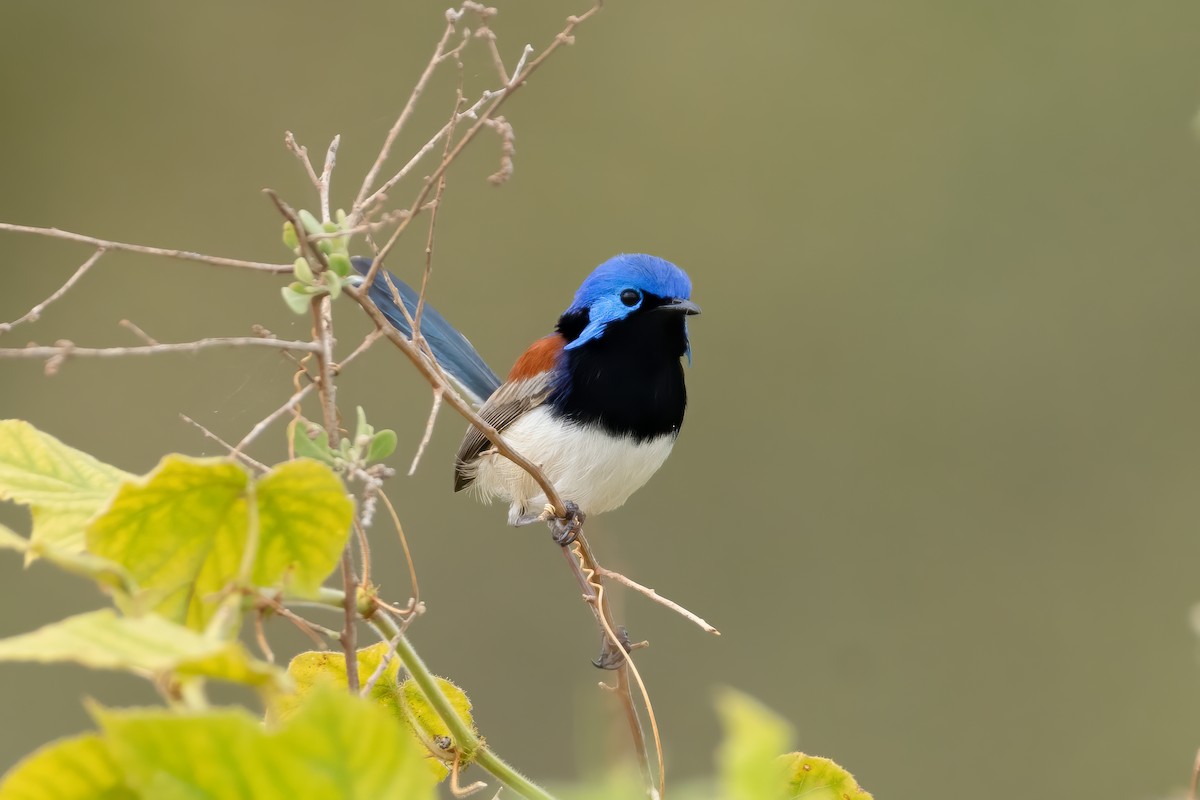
366,447
332,241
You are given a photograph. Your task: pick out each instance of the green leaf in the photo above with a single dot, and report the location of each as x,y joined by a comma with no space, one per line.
290,240
816,778
181,531
425,722
333,283
304,520
149,646
296,301
64,486
335,746
340,264
310,223
748,758
79,768
326,668
383,444
302,270
307,447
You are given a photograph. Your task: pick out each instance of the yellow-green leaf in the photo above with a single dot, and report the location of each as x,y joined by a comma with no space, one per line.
149,646
181,530
748,758
64,486
816,778
304,520
428,727
316,668
79,768
335,746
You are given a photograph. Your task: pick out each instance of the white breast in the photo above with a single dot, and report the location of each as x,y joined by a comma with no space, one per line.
587,466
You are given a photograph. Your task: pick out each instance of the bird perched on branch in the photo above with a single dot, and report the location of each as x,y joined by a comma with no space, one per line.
597,404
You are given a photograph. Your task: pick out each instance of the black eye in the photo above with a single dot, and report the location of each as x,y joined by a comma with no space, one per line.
631,297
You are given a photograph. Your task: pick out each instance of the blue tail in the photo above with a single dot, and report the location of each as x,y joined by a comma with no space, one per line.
453,352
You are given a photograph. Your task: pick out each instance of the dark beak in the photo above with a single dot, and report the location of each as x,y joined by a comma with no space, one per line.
680,307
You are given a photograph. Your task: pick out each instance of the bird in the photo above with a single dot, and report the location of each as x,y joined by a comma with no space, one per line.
597,403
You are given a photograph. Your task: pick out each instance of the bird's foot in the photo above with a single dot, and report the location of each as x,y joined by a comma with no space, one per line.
612,657
565,529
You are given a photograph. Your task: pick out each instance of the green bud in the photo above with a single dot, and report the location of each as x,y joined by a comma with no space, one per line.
334,283
290,240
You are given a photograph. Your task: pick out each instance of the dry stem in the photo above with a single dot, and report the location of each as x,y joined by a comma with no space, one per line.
36,312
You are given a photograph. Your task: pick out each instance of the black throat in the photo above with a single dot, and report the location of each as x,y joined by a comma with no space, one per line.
629,380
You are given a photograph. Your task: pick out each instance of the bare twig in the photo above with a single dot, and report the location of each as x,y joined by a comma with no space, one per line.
656,597
508,149
388,655
565,36
33,314
452,18
65,349
301,152
433,412
296,398
250,462
412,568
138,332
185,255
326,175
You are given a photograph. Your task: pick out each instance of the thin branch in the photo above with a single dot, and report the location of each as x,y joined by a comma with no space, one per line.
412,569
327,175
295,400
36,312
185,255
433,412
452,18
564,37
138,332
64,349
656,597
301,152
250,462
388,655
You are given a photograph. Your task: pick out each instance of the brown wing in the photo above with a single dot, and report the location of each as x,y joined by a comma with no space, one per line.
509,402
527,387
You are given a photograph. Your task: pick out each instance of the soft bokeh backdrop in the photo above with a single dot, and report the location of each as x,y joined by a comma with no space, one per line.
938,484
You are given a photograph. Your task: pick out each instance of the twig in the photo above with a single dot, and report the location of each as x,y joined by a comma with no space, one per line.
185,255
412,569
138,332
433,412
564,37
301,152
326,175
588,569
656,597
297,397
36,312
252,463
508,149
64,349
388,655
452,18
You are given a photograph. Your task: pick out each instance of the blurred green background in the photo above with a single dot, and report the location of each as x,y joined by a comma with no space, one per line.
938,484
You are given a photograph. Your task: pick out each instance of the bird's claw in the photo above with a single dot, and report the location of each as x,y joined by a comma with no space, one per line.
565,529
